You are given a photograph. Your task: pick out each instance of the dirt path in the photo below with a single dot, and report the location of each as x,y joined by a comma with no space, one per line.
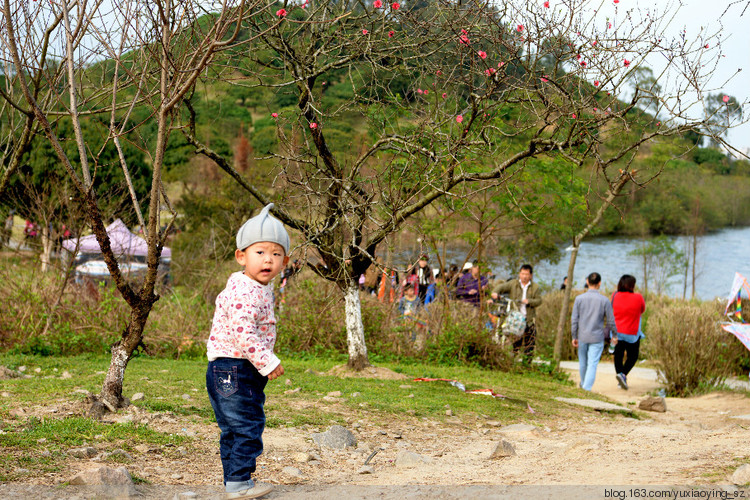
698,441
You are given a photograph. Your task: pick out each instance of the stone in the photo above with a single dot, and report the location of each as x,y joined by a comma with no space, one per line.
185,495
5,394
144,448
113,482
595,404
741,417
356,394
7,373
292,471
85,452
37,370
503,449
449,412
405,386
41,441
334,394
366,469
493,423
186,397
17,412
22,369
653,404
176,476
137,397
409,459
66,374
117,454
336,437
741,476
302,457
293,391
287,382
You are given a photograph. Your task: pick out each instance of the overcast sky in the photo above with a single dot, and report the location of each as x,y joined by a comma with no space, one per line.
731,19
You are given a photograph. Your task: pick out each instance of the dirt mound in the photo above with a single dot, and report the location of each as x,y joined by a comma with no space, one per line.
370,372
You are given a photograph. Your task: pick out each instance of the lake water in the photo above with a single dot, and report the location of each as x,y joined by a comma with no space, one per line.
719,255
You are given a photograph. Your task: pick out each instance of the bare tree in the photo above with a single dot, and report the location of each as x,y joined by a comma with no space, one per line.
111,59
449,94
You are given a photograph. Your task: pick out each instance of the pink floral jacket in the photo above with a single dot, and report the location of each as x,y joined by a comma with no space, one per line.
244,325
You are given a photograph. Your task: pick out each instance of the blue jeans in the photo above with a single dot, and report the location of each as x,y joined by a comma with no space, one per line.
588,358
235,389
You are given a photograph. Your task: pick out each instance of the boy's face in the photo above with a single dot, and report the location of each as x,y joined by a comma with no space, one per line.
262,261
409,292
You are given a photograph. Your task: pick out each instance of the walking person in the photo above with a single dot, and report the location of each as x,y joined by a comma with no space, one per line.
628,307
527,296
591,323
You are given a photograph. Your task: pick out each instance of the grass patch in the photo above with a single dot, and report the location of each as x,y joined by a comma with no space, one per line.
40,445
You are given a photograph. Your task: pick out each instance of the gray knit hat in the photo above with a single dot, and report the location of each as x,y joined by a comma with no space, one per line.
263,227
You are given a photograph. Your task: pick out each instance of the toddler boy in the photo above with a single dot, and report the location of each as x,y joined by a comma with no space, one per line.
240,351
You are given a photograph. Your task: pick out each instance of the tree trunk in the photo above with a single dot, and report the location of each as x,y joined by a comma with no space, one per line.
614,190
355,329
110,398
47,242
565,307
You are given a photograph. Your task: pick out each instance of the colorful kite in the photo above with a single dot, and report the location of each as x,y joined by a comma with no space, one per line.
740,330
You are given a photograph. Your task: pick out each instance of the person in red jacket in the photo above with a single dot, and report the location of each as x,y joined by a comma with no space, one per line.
628,307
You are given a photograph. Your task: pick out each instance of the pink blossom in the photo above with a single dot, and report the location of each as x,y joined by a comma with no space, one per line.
593,44
725,98
395,6
377,4
426,91
464,39
658,124
546,5
459,118
391,33
464,31
444,95
364,32
578,56
596,83
313,125
419,91
609,25
583,63
275,115
482,54
574,116
281,12
544,79
596,109
438,72
500,64
705,46
489,71
626,63
519,28
616,1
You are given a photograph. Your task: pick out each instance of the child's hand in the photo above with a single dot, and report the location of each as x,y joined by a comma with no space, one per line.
276,373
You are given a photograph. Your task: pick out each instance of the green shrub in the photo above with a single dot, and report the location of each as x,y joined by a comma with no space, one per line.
547,316
692,353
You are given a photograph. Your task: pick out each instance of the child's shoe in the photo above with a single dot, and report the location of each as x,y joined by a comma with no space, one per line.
257,491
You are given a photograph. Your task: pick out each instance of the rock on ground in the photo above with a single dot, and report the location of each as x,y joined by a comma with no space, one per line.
653,404
409,459
113,482
741,476
336,437
503,449
595,404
